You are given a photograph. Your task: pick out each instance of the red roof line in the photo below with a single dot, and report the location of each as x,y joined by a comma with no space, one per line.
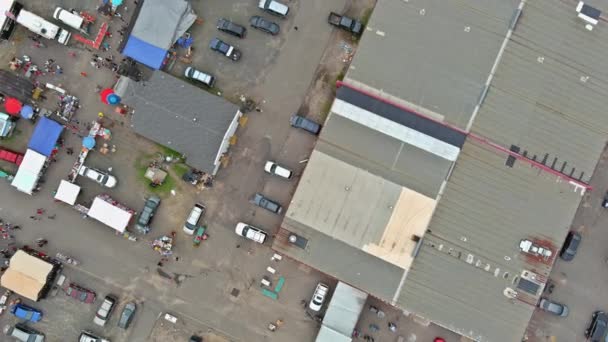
475,137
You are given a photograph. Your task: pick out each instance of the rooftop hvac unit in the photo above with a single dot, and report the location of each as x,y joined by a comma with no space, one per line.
589,14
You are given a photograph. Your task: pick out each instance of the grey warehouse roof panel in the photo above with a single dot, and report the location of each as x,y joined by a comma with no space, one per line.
383,155
549,94
181,116
436,55
470,253
401,116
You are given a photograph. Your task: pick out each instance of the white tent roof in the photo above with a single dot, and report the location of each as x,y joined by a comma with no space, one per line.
29,171
67,192
342,313
109,215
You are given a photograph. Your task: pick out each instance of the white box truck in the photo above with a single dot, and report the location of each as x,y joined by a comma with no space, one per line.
43,27
71,19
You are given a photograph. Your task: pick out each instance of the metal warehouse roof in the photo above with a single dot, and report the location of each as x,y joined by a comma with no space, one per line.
548,96
383,155
470,253
435,55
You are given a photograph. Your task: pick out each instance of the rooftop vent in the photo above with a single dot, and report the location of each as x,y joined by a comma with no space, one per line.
589,14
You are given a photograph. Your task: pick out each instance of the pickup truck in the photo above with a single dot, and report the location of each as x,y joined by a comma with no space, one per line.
348,24
266,203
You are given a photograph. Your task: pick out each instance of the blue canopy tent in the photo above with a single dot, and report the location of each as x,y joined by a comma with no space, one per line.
45,136
151,38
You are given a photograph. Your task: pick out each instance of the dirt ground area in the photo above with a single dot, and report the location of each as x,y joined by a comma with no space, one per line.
334,64
181,331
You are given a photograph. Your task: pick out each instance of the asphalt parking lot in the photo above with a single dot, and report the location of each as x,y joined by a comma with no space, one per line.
580,283
260,50
218,289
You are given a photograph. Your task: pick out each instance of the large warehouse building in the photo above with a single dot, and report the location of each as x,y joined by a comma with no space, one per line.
436,162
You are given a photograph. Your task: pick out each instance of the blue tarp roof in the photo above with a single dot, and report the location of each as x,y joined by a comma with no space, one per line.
145,53
45,136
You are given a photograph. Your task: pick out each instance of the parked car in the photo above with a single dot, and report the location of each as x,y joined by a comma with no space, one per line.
229,27
23,333
277,170
264,25
598,327
266,203
225,49
195,338
570,246
345,23
87,336
98,176
105,310
318,297
26,312
80,293
273,7
554,308
199,76
605,201
250,232
127,315
146,214
305,124
192,221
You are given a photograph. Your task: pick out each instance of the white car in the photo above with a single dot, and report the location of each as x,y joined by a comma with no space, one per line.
251,232
98,176
200,76
277,170
318,298
192,221
104,311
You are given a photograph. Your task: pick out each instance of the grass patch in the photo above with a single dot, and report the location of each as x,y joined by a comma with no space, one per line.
180,169
167,151
141,165
366,15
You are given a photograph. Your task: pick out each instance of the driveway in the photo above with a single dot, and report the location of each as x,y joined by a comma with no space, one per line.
580,283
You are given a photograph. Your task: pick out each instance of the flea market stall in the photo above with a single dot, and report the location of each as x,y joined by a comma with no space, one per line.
45,137
67,192
29,172
111,213
28,275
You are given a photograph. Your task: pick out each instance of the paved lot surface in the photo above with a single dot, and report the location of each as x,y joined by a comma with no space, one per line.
580,283
225,262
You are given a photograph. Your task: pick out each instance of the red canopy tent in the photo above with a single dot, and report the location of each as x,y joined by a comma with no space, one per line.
12,106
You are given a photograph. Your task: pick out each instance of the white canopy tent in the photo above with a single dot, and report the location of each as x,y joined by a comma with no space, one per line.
29,172
109,214
67,192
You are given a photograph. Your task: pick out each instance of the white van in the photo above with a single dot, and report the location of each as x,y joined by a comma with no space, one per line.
71,19
274,7
42,27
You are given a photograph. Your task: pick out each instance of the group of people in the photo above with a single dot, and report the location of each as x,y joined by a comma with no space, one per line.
108,62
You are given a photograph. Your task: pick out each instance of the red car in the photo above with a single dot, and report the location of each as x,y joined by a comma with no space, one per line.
11,157
80,293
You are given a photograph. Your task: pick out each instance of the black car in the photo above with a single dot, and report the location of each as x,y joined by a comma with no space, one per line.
225,49
145,216
305,124
266,203
598,327
229,27
264,25
605,201
570,246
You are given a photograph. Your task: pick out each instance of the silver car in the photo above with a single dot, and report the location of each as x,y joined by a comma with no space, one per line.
199,76
553,307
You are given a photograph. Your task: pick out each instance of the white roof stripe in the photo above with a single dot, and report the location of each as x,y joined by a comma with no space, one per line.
405,134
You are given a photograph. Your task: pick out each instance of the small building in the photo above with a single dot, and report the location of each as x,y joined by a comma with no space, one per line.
176,114
28,275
